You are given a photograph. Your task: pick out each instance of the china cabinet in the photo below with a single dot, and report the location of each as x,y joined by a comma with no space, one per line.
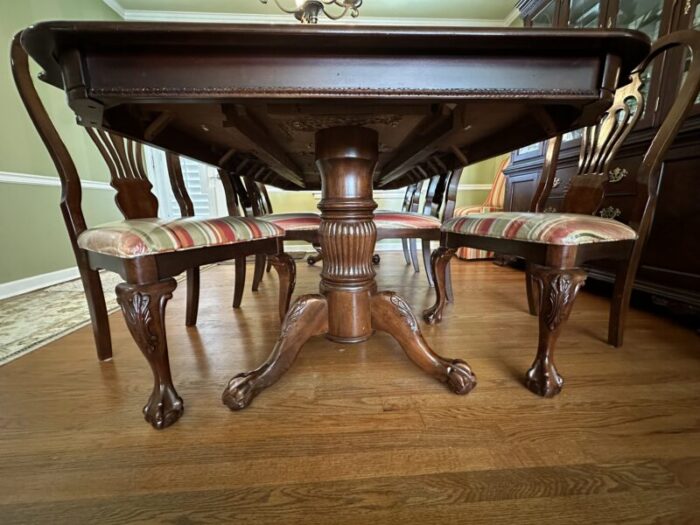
671,276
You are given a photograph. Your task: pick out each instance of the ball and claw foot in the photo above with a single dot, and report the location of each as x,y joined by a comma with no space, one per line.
460,378
432,315
163,409
240,391
543,379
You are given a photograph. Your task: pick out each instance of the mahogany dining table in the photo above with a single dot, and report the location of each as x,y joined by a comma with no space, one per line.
342,108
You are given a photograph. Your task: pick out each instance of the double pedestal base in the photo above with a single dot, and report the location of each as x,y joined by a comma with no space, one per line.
349,309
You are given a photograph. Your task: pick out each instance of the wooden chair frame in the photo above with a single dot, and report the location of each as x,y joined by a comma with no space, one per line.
441,196
148,280
555,272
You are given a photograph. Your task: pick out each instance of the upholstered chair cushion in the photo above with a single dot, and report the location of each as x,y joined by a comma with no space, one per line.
138,237
468,253
403,220
295,221
546,228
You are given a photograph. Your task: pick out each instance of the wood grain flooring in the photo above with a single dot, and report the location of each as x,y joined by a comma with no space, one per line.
357,434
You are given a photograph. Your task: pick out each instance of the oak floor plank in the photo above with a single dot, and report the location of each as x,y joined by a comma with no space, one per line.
357,434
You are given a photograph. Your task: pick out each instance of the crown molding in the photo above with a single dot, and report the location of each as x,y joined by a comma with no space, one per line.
142,15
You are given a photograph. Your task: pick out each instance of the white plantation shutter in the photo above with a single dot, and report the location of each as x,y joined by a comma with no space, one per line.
201,182
197,183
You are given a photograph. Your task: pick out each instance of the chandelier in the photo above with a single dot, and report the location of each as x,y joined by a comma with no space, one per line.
307,11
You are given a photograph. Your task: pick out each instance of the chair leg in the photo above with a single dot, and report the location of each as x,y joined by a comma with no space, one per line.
406,253
287,271
260,260
425,244
532,292
414,254
98,312
143,306
557,291
313,259
448,283
438,262
620,303
269,266
239,284
192,297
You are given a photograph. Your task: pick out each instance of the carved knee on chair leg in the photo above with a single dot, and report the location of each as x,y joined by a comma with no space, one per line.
144,311
556,290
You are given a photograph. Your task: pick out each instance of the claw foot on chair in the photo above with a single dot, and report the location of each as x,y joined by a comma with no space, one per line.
543,379
164,407
433,315
460,378
240,391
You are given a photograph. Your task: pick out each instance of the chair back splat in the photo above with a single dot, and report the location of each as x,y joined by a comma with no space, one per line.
124,158
450,194
599,145
177,183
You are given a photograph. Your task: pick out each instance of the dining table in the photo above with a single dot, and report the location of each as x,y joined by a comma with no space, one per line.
341,108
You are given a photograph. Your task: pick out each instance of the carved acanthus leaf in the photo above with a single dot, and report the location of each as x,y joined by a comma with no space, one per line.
405,311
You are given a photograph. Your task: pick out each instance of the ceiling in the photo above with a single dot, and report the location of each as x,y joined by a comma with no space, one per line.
492,12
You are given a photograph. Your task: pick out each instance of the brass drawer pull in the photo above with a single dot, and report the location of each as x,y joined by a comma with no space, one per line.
617,174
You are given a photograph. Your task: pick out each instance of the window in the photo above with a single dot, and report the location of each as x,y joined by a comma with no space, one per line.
202,184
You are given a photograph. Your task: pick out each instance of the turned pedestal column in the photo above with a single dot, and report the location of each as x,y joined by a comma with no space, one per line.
348,308
346,158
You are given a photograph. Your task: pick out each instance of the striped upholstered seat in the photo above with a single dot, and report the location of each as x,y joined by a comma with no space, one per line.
548,228
494,202
385,219
295,221
138,237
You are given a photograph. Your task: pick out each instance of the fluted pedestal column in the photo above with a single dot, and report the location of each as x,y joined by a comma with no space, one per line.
348,308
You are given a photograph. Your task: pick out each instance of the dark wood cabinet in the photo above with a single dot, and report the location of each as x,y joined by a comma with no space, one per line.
670,267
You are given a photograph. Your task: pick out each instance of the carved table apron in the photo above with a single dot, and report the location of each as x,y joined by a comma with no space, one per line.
344,109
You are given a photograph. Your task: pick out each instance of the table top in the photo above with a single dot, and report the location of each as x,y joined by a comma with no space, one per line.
251,97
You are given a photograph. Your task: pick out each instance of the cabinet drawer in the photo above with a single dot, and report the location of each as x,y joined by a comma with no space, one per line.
622,176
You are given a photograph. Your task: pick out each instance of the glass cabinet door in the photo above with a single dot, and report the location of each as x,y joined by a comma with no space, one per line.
585,14
643,15
688,18
693,12
545,17
648,17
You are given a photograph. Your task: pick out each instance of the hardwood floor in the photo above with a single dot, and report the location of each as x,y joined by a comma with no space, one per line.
357,434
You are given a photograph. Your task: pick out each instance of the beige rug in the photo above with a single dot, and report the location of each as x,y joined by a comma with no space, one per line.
31,320
34,319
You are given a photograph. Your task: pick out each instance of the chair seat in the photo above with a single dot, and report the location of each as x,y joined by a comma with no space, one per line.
139,237
545,228
403,220
295,221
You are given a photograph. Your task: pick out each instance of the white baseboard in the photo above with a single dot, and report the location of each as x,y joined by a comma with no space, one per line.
36,282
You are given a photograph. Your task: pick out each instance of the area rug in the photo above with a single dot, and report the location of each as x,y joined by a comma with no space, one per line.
34,319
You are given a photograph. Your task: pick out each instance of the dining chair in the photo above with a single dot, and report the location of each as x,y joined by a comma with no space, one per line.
410,204
557,245
147,252
494,202
249,197
439,205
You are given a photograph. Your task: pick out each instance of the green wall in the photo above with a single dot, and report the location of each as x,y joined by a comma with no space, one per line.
33,236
